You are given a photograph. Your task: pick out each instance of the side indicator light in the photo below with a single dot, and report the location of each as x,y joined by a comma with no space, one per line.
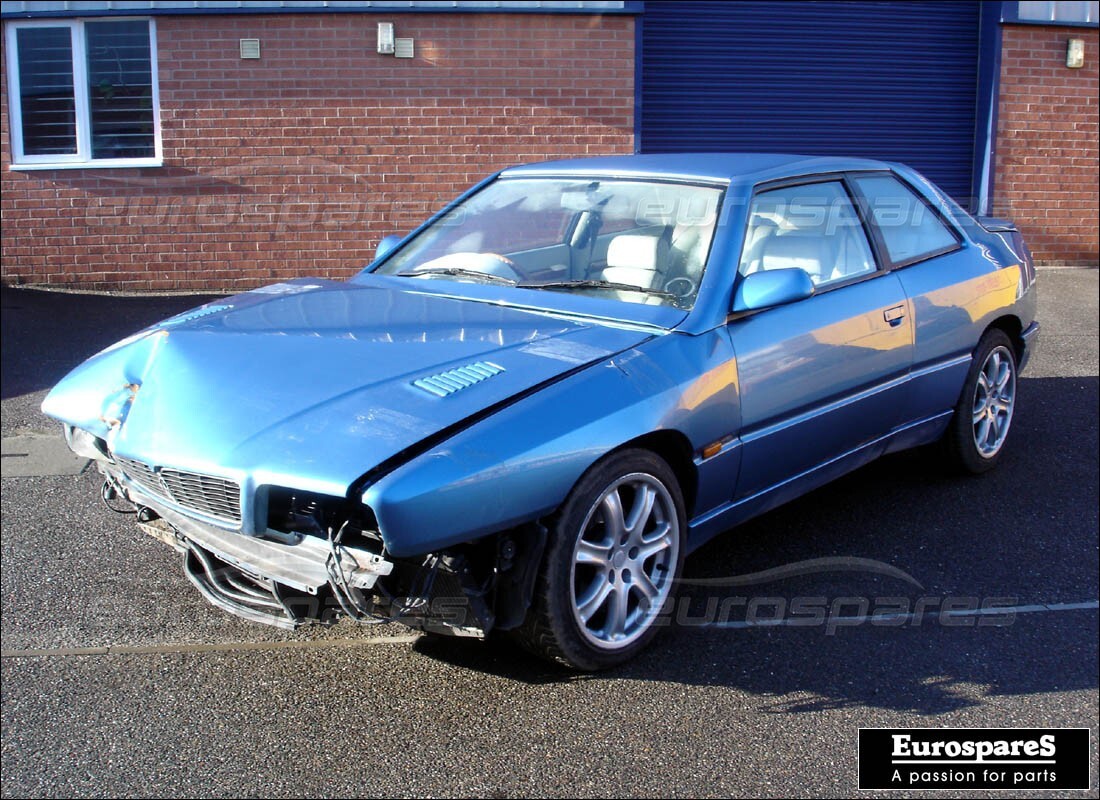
712,449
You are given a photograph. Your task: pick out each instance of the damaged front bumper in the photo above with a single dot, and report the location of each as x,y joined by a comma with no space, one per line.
315,573
300,580
279,584
319,557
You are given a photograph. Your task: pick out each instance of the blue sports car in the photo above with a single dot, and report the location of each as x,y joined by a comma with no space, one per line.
524,415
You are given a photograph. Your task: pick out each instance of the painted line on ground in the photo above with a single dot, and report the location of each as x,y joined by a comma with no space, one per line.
199,647
33,454
314,644
803,622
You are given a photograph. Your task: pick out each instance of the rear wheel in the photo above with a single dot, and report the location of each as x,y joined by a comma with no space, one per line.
612,559
975,439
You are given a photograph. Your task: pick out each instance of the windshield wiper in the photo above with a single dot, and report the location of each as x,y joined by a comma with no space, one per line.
458,272
588,283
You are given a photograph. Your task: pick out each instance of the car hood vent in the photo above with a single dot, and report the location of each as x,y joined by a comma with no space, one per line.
454,380
201,311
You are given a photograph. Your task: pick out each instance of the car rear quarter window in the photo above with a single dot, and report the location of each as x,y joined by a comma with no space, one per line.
910,229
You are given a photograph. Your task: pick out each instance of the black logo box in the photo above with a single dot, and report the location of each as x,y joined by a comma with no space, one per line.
1067,768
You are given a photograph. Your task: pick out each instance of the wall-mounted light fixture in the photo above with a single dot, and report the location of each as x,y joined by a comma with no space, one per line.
388,45
385,38
1075,54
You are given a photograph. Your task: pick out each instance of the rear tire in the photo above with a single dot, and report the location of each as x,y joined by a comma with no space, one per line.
613,556
975,438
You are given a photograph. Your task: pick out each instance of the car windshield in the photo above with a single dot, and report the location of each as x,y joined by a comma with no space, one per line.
628,240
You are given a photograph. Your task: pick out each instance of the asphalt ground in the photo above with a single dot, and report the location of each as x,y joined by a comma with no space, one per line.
118,679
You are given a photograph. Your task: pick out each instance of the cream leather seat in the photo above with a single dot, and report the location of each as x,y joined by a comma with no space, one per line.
637,260
806,251
688,251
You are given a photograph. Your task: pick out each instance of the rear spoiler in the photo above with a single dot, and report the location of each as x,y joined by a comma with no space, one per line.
1008,232
994,225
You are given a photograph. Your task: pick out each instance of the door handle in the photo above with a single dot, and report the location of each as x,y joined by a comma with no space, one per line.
894,315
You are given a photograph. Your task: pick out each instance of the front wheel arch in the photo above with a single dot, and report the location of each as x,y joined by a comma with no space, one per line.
555,627
674,448
671,446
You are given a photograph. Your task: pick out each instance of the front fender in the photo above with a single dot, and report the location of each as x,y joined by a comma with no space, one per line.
520,463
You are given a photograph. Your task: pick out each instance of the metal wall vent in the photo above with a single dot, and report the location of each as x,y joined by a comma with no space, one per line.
454,380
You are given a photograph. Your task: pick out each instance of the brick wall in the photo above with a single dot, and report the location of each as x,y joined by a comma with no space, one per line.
1048,143
296,164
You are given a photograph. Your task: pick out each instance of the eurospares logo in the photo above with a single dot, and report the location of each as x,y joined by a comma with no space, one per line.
953,759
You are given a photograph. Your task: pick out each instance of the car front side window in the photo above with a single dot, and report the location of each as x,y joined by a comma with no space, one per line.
813,227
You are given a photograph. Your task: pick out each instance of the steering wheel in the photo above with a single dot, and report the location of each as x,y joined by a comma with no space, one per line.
681,287
507,268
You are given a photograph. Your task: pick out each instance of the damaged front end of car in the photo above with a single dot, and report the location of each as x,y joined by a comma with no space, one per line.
305,448
319,558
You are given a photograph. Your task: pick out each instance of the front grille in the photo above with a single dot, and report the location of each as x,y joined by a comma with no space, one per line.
207,494
214,496
145,476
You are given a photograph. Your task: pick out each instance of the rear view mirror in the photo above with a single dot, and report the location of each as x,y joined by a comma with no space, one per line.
385,246
773,287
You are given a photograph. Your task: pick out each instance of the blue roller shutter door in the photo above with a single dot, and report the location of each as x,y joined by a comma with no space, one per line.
891,80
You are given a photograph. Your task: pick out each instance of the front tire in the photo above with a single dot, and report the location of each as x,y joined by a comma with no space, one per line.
975,439
612,559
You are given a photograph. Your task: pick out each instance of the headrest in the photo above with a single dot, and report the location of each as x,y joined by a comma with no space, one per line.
638,252
810,252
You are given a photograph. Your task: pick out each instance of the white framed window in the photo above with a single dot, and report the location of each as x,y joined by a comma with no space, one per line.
83,93
1062,12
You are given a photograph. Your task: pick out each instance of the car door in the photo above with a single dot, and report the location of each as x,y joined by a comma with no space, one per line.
824,376
952,289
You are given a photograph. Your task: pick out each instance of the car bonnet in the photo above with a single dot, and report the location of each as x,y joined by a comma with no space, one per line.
310,384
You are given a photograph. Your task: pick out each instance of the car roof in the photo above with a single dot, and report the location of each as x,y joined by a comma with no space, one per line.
717,167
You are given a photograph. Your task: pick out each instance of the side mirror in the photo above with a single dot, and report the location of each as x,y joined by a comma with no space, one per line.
773,287
385,246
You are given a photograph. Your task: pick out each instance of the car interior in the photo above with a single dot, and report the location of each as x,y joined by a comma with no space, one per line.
817,232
